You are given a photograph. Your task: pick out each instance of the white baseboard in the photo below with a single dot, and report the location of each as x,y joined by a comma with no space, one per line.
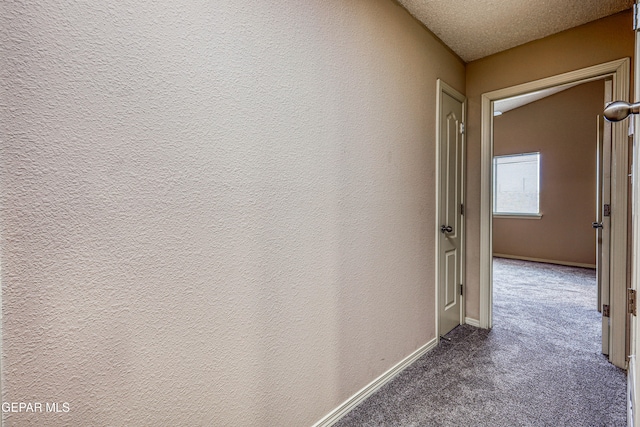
472,322
335,415
548,261
632,398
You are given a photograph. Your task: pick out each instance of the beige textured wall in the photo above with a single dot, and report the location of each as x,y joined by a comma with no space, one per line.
594,43
213,213
563,129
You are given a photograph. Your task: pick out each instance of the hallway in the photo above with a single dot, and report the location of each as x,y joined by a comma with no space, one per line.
540,365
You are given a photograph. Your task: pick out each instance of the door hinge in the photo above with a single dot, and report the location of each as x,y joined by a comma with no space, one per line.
631,301
605,310
635,17
606,210
461,287
461,127
461,209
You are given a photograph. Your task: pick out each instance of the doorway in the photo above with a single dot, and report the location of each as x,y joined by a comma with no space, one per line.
618,72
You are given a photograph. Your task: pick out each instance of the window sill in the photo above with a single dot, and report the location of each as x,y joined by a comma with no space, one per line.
517,216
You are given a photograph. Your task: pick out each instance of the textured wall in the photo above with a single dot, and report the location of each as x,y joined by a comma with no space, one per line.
597,42
563,128
213,213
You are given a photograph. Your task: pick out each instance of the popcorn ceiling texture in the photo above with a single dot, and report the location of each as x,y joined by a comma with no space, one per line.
478,28
213,213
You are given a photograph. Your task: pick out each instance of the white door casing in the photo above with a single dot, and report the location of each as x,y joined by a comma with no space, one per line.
633,400
449,200
618,72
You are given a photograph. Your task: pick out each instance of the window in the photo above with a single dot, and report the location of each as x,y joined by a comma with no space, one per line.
516,184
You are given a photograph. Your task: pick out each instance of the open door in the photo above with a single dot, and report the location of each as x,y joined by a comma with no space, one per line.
602,223
618,111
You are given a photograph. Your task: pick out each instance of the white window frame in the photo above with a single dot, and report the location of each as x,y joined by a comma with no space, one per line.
507,214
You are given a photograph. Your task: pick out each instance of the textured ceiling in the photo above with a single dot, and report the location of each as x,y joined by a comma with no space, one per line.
478,28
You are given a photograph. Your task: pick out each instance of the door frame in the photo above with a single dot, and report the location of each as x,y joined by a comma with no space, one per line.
618,71
633,400
441,88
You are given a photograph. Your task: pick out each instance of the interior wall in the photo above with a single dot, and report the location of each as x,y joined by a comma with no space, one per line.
213,213
594,43
563,129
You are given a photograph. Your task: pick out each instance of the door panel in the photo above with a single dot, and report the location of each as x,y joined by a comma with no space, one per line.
449,215
451,294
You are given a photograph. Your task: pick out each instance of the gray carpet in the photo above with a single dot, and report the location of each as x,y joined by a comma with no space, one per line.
539,366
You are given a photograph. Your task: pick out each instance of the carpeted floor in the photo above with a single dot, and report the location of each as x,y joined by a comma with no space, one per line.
539,366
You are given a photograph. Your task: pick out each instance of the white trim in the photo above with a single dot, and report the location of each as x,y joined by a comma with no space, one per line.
349,404
632,399
472,322
619,72
442,87
547,261
517,216
463,217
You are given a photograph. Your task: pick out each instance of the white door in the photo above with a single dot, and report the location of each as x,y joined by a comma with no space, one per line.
450,225
603,218
618,111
